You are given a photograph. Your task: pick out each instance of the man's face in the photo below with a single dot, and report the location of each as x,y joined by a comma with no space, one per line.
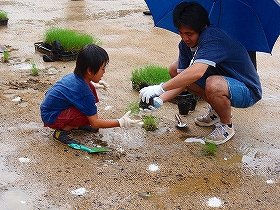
189,36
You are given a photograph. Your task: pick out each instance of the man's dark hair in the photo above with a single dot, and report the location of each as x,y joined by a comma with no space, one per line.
192,15
91,56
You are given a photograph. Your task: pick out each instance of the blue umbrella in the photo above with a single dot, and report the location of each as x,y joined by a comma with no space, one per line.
255,23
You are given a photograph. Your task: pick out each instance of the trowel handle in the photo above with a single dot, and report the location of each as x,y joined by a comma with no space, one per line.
79,146
178,118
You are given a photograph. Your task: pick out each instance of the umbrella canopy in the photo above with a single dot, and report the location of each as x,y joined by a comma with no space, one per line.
255,23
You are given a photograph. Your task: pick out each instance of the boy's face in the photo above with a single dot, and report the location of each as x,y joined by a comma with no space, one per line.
97,77
189,36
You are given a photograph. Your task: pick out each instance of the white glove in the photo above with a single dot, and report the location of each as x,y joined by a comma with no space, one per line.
151,91
101,84
126,122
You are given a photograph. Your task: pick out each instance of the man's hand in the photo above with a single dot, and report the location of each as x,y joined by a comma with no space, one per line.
126,122
151,91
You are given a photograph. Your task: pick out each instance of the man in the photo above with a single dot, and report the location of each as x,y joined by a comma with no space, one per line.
212,65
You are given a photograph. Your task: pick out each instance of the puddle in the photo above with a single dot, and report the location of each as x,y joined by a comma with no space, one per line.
15,199
5,175
132,138
234,159
26,126
23,66
203,184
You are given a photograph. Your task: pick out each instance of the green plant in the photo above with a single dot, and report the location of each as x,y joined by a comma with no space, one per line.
34,70
3,15
209,149
149,75
6,56
70,40
133,107
150,122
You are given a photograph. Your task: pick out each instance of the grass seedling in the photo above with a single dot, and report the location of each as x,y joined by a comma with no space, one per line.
3,15
150,122
34,70
209,149
149,75
6,56
70,40
134,108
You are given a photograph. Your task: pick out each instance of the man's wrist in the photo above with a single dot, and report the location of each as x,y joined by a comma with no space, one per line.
162,89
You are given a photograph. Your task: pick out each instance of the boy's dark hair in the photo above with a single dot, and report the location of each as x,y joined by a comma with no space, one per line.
192,15
91,56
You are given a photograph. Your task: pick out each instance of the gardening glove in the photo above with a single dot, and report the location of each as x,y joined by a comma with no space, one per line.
151,91
126,122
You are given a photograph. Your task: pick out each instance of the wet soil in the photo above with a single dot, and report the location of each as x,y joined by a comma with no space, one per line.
144,170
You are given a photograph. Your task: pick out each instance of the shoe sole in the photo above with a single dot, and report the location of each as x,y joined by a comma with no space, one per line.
203,124
54,136
221,141
89,131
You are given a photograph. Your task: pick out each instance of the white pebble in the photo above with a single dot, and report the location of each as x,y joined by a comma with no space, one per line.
214,202
270,181
24,160
153,167
108,107
79,191
17,99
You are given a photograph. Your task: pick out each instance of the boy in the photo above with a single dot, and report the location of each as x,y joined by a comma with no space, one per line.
71,102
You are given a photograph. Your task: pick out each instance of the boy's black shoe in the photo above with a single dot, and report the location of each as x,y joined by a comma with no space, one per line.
87,128
65,137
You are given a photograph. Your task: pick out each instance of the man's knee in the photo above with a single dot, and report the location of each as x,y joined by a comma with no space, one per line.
216,85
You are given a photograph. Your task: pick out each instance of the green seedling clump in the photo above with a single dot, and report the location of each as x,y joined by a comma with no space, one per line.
34,70
70,40
149,75
3,15
150,122
134,108
6,56
210,149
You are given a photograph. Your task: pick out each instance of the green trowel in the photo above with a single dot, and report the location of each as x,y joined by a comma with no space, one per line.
89,150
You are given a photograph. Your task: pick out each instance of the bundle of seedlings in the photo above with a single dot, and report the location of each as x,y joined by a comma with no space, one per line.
70,40
63,44
149,75
3,18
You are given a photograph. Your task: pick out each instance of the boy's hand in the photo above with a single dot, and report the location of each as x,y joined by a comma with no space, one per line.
126,122
101,84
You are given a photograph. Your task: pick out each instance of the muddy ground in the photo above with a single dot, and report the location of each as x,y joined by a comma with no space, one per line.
145,170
